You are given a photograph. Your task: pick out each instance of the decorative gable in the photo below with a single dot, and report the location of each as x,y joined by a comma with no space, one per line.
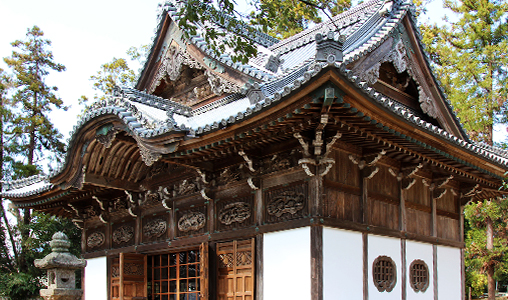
393,70
183,79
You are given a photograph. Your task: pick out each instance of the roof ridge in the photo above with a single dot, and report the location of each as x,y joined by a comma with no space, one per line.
319,26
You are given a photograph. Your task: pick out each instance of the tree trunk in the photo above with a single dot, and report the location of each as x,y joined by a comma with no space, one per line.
2,210
491,283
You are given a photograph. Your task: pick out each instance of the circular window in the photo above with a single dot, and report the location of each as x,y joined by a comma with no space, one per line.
419,275
384,274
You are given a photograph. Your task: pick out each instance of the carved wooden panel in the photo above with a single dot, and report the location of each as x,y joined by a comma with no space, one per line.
384,183
344,170
384,213
234,213
280,162
286,203
123,234
191,220
128,274
95,239
235,270
155,228
342,205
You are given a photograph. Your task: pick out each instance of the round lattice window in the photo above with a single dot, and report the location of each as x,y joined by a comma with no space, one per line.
419,275
384,274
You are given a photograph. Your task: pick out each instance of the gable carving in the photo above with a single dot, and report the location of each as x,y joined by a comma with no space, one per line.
368,71
183,79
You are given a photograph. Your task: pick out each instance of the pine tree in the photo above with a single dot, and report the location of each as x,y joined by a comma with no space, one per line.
31,138
470,59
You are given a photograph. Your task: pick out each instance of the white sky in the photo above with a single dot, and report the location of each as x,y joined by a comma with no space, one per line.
84,35
87,34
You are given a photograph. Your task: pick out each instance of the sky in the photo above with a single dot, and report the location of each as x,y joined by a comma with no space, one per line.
87,34
84,35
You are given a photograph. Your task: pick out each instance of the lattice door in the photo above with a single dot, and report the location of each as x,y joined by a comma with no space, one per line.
128,277
235,264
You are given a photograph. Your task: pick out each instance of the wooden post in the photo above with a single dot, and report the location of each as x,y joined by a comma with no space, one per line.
403,276
434,258
365,239
365,199
259,267
316,252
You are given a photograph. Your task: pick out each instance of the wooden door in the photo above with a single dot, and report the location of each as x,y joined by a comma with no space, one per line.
128,277
235,270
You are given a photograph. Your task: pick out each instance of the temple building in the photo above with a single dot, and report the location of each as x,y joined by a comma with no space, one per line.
330,166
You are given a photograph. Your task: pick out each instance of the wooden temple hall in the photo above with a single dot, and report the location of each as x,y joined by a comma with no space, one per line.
330,166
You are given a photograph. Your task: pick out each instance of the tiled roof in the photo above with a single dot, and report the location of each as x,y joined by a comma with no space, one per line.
365,27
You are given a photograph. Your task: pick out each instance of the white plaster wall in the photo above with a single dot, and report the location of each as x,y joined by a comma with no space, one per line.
379,245
342,264
286,265
421,251
449,272
96,279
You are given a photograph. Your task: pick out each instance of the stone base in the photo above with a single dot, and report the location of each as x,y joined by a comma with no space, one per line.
61,294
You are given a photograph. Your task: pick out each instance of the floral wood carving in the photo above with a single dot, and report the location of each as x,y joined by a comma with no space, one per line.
228,176
115,271
155,228
149,158
191,221
288,202
152,197
172,64
123,234
134,269
185,187
234,212
107,139
91,211
95,240
220,85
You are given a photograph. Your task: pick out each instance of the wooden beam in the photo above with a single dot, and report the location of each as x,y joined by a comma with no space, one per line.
115,183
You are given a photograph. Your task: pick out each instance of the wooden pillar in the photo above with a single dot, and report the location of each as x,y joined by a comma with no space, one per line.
365,239
316,253
402,208
316,195
462,252
259,267
365,199
403,276
258,204
434,275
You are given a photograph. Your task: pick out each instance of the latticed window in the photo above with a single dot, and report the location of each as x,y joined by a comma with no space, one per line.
419,275
174,276
384,274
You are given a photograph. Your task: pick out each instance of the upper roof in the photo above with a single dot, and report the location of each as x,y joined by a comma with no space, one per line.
158,125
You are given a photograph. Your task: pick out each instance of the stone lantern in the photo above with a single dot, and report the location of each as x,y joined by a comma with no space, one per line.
61,266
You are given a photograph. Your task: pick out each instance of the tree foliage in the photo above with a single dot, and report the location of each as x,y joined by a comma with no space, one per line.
470,59
285,18
279,18
27,138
